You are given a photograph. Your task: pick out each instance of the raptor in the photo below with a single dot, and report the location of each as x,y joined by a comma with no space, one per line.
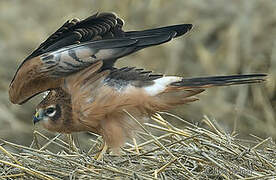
87,93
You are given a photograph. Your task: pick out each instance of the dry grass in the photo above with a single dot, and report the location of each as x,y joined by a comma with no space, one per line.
170,153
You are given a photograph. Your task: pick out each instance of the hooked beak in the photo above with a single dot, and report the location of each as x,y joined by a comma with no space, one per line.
38,116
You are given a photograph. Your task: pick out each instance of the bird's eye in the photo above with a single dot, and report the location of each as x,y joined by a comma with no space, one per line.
50,111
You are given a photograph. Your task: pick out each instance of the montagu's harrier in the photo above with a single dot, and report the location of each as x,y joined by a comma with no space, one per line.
87,93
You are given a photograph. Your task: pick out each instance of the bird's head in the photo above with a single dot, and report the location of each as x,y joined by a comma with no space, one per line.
54,111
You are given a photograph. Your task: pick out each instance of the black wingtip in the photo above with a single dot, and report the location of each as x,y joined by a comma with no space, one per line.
180,30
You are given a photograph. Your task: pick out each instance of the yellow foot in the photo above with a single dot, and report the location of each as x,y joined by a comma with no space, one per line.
99,156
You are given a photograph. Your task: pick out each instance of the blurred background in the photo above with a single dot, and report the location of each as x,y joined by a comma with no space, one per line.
229,37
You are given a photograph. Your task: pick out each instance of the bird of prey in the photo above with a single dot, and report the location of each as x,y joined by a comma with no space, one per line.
77,45
96,100
87,93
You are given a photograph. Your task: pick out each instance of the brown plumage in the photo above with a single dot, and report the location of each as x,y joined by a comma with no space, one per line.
88,94
77,45
95,100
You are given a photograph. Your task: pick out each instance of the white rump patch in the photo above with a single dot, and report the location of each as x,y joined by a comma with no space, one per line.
161,84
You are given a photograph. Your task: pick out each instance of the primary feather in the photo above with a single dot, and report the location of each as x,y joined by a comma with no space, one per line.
77,45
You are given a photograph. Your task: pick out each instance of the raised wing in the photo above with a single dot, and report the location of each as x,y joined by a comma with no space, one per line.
79,44
97,26
73,58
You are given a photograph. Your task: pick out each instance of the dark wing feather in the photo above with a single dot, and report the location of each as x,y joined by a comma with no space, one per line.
73,58
99,37
180,30
97,26
78,45
75,31
133,74
121,78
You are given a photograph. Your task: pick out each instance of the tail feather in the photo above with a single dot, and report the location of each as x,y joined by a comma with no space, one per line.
173,91
207,82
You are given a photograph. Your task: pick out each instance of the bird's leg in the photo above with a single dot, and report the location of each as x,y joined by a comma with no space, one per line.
71,143
103,149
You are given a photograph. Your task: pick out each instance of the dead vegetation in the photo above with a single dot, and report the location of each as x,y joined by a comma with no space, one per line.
168,153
